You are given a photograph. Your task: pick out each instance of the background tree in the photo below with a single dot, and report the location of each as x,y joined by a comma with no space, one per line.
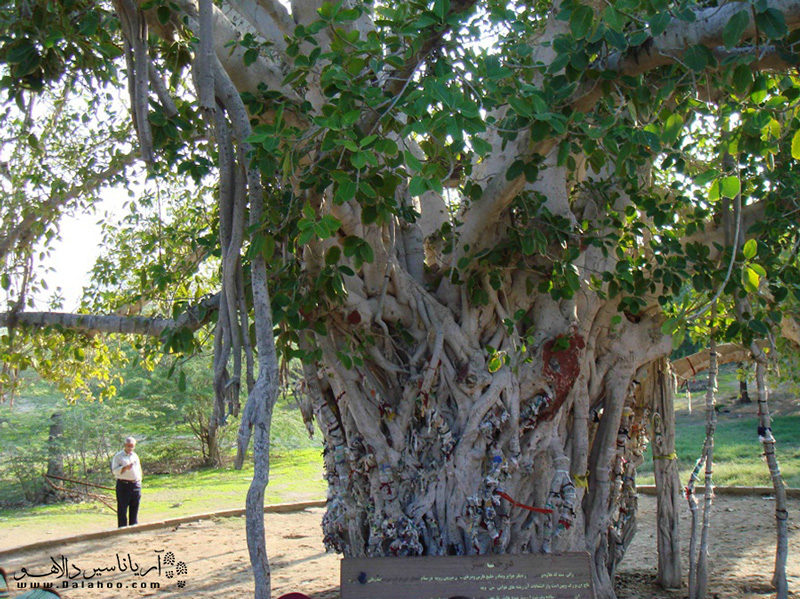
484,226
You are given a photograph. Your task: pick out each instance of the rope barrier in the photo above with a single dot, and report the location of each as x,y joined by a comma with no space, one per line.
539,510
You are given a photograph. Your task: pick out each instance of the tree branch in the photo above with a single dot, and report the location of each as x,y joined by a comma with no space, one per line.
706,30
269,18
685,368
194,318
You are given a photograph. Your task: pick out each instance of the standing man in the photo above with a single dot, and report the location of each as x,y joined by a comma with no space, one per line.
128,471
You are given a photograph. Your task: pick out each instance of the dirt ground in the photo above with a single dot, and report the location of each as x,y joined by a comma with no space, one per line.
210,558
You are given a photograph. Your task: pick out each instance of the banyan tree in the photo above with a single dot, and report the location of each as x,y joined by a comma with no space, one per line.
481,227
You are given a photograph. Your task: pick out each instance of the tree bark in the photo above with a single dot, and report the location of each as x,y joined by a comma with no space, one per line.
55,455
430,450
744,396
668,487
701,581
781,507
193,318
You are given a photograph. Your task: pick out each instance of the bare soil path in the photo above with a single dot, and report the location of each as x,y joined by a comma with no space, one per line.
214,553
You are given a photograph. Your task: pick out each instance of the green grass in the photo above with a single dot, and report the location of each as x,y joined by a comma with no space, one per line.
737,452
295,476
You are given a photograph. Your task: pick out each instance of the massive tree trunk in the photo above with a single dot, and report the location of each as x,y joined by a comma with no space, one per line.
431,434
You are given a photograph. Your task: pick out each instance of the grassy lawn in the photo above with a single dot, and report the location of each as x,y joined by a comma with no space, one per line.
737,451
294,476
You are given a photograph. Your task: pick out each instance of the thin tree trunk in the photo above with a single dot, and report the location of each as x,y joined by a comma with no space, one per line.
744,396
701,580
264,394
781,511
692,499
55,454
665,468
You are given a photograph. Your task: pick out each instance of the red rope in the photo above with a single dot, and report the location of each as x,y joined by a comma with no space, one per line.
689,362
540,510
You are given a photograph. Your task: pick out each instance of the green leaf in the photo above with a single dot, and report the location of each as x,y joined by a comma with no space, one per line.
659,23
91,20
573,280
528,245
730,187
305,236
751,280
750,249
759,91
387,147
714,191
345,192
772,23
369,214
672,129
359,159
732,331
614,19
321,231
735,28
670,326
367,140
742,79
366,252
481,146
441,8
5,281
346,360
347,15
561,343
412,161
495,363
580,21
250,56
796,145
563,153
182,381
350,118
758,326
697,57
163,13
333,255
418,186
331,223
515,170
706,177
522,107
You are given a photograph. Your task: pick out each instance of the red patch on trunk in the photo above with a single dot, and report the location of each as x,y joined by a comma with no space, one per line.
561,367
354,317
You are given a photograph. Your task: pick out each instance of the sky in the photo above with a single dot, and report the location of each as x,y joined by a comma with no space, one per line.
73,255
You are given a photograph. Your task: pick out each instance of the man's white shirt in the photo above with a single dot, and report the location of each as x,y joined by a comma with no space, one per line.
123,459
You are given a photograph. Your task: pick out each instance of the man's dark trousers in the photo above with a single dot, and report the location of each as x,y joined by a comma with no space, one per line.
129,494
